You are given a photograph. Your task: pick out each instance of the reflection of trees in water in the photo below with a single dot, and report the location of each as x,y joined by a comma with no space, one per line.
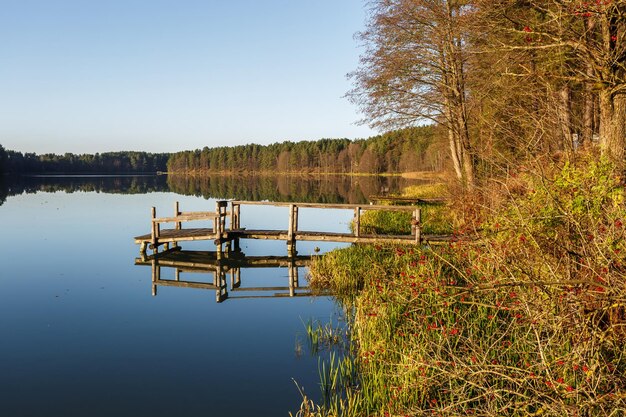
10,186
321,189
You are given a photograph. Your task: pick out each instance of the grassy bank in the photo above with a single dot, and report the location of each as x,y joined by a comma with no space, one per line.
528,320
437,218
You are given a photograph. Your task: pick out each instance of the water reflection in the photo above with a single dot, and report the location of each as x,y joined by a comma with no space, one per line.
305,189
314,189
81,330
110,184
223,272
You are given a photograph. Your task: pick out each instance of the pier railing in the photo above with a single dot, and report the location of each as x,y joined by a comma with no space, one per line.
358,209
226,227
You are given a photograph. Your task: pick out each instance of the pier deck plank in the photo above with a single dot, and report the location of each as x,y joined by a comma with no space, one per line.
173,235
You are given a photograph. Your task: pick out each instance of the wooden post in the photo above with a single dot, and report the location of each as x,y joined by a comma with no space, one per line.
220,225
417,224
221,293
292,279
217,225
218,220
155,232
176,214
218,236
216,273
235,223
156,276
290,227
153,228
357,221
291,243
221,209
234,216
237,282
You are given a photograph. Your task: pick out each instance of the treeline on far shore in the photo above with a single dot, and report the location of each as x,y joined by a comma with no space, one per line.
409,149
14,162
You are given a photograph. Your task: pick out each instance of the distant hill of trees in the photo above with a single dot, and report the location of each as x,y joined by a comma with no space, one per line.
409,149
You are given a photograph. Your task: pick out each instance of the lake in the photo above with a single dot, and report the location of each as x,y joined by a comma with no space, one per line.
83,334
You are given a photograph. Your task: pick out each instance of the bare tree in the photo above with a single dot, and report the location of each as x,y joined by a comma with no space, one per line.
413,70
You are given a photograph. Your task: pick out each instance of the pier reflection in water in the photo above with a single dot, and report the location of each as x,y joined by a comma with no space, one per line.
224,273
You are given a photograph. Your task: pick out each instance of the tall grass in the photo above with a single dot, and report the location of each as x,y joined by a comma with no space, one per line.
435,190
436,217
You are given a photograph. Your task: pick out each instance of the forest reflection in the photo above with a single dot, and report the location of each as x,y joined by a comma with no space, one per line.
306,189
111,184
315,189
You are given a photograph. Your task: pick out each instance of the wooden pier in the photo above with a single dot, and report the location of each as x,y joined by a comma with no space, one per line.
225,227
218,267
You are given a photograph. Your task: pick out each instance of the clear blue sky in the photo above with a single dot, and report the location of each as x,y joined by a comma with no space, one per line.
166,75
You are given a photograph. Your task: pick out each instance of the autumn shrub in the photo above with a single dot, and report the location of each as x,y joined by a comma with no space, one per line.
528,320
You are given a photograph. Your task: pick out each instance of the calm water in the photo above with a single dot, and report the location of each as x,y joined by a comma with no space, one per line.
82,334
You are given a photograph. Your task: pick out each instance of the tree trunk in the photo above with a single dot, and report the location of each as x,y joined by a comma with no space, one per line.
588,125
613,126
612,102
455,153
456,89
565,116
456,147
589,97
465,148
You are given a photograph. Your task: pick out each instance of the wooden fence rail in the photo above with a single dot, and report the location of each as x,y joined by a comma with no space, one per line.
222,231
